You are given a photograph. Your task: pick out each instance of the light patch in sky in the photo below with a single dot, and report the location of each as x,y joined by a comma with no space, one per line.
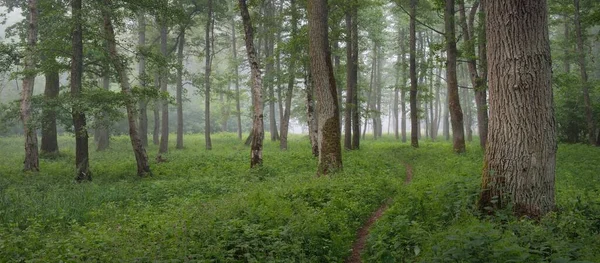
11,18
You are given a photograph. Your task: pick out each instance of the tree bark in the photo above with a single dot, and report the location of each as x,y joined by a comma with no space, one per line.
179,92
403,87
143,167
456,114
589,115
285,122
236,75
519,167
257,123
49,133
164,71
143,104
349,83
31,162
330,155
79,122
355,102
414,117
311,114
207,72
481,95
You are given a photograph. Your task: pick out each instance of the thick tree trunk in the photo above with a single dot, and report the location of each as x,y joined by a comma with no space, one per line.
143,104
285,122
414,117
82,161
257,124
143,167
207,71
49,134
31,162
589,115
179,92
456,114
519,167
164,71
236,76
330,154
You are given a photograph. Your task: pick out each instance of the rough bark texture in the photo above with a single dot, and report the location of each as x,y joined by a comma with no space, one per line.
236,75
179,92
207,80
164,125
49,134
589,115
82,162
519,166
143,104
330,152
143,167
257,123
414,117
285,121
456,114
31,162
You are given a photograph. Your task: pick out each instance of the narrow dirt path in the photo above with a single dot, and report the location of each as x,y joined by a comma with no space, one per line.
363,232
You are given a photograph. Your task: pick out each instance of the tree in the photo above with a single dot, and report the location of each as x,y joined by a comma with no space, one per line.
207,71
414,116
330,152
456,115
285,121
143,120
51,90
236,76
584,78
143,168
257,132
519,167
351,77
31,162
82,161
163,79
179,92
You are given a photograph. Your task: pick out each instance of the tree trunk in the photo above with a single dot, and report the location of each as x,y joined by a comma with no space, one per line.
82,162
403,86
143,168
164,71
456,115
179,92
236,75
355,102
396,99
102,137
584,77
207,71
414,117
285,122
143,104
156,111
330,155
311,114
257,124
349,82
519,167
481,94
49,134
378,87
31,162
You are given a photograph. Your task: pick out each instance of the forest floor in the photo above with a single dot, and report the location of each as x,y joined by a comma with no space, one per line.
208,206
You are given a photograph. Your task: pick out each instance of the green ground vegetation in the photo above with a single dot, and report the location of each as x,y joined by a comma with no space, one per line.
208,206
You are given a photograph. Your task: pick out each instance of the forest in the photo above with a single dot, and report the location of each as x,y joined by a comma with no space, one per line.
300,131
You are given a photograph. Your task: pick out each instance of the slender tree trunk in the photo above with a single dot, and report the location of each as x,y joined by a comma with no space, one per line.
102,136
567,46
437,103
396,99
355,102
330,155
584,77
285,122
403,87
31,162
143,104
143,167
49,134
447,118
414,117
207,72
379,88
156,111
313,126
164,71
236,76
520,158
257,124
349,83
81,136
179,92
456,114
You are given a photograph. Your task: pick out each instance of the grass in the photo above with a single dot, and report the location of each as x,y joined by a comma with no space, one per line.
208,206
